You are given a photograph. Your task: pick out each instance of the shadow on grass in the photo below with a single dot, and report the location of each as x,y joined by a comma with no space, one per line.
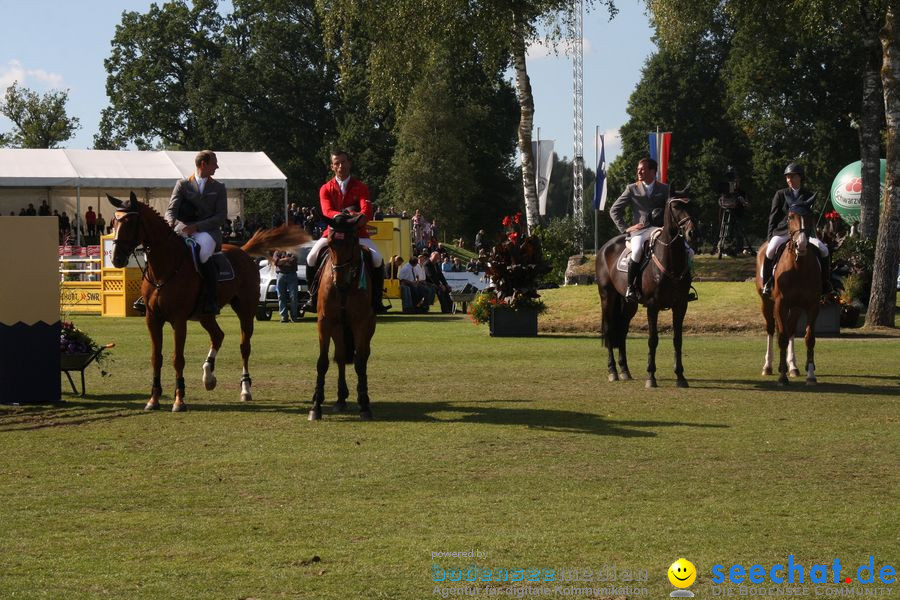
544,419
77,411
798,384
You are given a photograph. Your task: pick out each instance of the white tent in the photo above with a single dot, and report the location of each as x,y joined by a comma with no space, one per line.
64,170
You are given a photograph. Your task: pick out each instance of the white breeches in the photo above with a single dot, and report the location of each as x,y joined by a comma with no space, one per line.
312,258
778,240
206,243
636,243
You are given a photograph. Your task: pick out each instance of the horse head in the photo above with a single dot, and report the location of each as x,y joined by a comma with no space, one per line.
343,244
126,230
681,216
799,218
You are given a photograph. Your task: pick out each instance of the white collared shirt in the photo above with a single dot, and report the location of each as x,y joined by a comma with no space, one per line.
201,181
343,184
648,188
406,273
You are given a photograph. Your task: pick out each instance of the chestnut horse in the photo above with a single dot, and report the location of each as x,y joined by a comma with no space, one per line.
345,314
171,288
797,286
664,283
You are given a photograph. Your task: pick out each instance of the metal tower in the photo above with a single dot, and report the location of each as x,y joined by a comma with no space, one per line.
576,37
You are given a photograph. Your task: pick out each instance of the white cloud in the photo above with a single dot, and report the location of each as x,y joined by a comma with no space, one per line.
14,71
538,50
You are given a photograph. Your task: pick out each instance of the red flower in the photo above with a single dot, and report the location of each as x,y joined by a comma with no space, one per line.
518,218
513,237
507,221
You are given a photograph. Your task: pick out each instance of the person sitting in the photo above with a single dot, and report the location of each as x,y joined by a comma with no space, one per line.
422,279
436,280
778,234
412,294
447,265
647,198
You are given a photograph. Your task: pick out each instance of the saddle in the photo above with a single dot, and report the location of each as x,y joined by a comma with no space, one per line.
625,257
223,266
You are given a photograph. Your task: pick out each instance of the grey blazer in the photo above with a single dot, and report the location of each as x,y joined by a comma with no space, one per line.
641,205
211,207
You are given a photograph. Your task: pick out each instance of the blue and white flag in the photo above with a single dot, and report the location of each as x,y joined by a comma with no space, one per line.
600,183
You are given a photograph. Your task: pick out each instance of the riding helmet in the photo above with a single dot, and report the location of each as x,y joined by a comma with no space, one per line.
794,169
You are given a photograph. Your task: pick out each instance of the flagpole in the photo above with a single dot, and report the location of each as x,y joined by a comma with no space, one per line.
537,172
596,180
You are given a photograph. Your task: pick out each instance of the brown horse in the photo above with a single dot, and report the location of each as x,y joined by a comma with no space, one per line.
171,288
345,314
665,283
797,287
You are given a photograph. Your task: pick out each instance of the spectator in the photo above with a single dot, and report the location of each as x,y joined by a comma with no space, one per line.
238,227
65,226
286,282
90,221
479,240
44,209
447,265
101,225
30,212
227,230
412,293
379,214
422,279
437,282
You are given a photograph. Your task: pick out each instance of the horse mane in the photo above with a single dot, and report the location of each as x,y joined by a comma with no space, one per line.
284,237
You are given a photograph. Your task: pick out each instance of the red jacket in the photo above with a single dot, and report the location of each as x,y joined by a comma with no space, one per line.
357,197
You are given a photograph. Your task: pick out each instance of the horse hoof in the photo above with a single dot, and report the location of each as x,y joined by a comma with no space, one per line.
209,378
767,371
811,381
795,372
179,407
625,376
315,414
152,405
613,377
650,383
682,383
246,397
366,415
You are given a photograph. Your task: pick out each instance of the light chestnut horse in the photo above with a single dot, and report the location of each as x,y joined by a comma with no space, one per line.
797,288
171,287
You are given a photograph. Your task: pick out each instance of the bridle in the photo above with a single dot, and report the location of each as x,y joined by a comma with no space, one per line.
146,273
680,235
337,269
797,243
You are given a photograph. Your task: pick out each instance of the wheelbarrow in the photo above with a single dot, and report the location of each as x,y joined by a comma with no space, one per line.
79,361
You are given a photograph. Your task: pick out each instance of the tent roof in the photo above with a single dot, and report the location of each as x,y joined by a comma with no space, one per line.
129,169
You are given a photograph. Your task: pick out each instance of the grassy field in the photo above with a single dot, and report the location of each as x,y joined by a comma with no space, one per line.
516,448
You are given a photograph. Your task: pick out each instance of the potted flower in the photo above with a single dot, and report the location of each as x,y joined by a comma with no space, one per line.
77,349
511,304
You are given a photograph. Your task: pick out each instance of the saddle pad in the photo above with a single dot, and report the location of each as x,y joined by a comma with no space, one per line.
223,265
622,262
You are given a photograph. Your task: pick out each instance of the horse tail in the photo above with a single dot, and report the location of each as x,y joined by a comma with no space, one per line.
349,353
613,328
283,237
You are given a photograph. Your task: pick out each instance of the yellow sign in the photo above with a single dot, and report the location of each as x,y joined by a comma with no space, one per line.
80,296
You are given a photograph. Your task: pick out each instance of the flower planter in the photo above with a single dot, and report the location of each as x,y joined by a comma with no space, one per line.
506,322
75,361
827,323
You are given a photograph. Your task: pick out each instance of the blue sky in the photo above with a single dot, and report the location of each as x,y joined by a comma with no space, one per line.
61,44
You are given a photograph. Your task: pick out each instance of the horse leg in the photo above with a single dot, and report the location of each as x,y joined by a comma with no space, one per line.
360,364
315,413
652,342
677,323
216,335
246,333
155,328
343,391
769,316
608,326
793,371
180,334
782,323
810,339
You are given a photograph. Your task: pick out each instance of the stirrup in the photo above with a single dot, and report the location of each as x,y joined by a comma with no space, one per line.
692,294
631,294
767,289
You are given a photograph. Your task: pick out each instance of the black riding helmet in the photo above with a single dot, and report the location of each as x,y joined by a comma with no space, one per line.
794,169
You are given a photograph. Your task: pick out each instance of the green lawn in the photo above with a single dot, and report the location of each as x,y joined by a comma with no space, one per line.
517,448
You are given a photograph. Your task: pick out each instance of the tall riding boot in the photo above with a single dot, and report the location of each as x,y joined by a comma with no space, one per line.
312,284
767,277
634,271
209,305
825,263
378,290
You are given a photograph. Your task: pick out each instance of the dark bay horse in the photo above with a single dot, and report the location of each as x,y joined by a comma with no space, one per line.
664,283
171,287
797,286
345,314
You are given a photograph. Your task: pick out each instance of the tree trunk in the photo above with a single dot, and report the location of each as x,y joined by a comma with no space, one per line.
526,124
871,121
887,248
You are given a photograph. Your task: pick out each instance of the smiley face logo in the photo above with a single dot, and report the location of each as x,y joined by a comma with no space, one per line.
682,573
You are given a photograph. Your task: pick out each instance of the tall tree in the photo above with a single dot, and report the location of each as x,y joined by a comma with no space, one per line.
410,32
887,251
40,121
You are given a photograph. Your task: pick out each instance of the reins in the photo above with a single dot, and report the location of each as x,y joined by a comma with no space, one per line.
659,265
146,271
